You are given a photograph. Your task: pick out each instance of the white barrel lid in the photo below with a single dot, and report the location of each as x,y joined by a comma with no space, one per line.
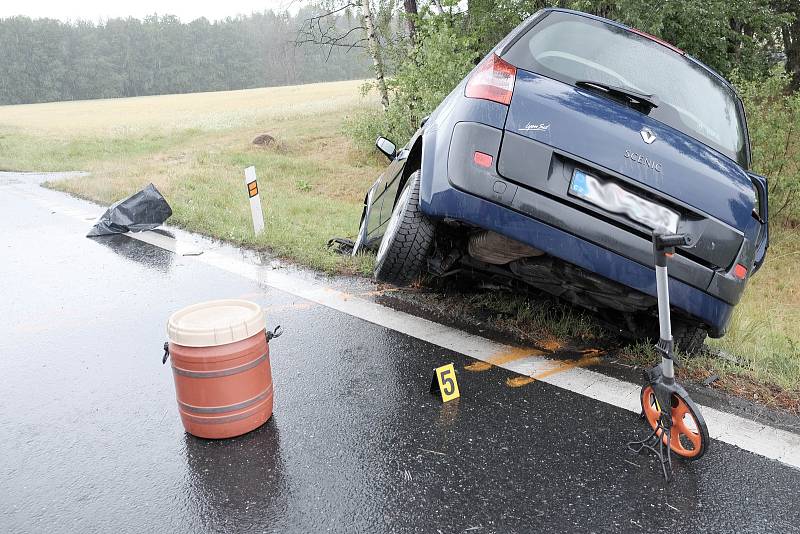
217,322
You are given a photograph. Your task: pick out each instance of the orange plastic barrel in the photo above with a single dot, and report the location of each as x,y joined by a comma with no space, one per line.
220,363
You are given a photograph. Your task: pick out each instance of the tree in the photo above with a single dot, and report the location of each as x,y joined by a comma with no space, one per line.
320,29
374,48
790,34
410,9
46,60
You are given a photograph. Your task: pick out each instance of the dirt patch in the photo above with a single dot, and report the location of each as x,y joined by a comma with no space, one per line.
748,389
264,140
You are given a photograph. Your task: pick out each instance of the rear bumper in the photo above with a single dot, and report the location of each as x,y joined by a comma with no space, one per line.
493,203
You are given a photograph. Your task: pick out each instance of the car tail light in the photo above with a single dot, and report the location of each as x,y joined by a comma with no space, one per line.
482,160
493,80
740,271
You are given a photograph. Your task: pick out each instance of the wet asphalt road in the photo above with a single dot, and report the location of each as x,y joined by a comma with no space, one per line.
92,442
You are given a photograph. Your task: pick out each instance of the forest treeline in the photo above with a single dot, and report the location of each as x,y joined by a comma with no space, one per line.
47,60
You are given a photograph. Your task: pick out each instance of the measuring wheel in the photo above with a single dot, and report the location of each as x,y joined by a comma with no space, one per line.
689,435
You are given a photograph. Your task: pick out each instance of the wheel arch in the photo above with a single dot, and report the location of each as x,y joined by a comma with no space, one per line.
413,164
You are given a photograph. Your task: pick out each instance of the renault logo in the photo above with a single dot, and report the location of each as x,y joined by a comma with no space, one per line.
648,135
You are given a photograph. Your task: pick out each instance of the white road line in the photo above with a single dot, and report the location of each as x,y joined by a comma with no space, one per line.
744,433
747,434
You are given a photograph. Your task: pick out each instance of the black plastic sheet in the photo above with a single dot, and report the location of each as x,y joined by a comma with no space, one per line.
141,211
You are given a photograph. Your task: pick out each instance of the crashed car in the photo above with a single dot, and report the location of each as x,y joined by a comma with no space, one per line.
554,161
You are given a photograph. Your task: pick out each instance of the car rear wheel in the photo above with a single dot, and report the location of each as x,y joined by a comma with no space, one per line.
689,338
407,240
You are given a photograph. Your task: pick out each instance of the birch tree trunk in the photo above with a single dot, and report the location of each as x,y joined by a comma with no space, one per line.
375,52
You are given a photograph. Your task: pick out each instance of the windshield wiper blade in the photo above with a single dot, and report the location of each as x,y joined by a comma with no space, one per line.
635,98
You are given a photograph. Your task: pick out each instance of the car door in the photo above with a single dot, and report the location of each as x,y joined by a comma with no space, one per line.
389,194
380,199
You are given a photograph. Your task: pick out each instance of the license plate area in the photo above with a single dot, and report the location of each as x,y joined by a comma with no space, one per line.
612,198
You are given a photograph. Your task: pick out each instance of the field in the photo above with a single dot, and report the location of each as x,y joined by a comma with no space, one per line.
194,148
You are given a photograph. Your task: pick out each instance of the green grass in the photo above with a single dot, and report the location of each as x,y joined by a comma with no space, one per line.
542,320
22,152
765,330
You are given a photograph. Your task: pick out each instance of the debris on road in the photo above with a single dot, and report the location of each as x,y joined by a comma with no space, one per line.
342,245
710,380
141,211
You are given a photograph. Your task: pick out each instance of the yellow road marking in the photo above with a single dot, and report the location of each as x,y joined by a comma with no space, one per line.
513,354
519,381
552,345
378,292
478,366
586,361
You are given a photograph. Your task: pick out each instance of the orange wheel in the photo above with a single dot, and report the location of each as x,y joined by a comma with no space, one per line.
689,437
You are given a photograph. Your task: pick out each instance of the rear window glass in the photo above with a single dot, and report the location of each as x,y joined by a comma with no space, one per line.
570,47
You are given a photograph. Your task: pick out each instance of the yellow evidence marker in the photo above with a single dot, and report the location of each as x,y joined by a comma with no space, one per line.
444,382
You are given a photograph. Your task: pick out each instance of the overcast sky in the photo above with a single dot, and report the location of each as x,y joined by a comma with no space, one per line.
95,10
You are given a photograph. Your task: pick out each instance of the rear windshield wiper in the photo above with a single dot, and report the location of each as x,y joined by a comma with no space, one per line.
637,100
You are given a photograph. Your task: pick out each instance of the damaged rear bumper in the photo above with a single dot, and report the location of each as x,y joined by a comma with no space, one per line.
487,200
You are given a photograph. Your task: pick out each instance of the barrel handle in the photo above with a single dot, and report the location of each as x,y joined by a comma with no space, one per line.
272,334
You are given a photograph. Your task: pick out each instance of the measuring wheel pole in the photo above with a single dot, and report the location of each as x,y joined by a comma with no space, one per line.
665,343
663,249
664,386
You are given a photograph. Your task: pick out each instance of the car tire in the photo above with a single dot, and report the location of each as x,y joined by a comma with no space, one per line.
407,241
689,338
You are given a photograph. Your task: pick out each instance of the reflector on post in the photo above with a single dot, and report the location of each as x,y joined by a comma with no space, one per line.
255,199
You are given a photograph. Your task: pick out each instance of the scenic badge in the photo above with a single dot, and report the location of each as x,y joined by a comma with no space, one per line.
531,127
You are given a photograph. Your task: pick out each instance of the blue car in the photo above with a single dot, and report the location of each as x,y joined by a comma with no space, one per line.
553,162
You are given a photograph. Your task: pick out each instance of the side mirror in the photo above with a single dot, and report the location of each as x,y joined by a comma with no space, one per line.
387,147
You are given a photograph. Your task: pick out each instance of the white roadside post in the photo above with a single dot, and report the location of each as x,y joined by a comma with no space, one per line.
255,199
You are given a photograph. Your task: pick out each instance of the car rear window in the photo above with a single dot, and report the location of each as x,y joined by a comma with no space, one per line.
571,47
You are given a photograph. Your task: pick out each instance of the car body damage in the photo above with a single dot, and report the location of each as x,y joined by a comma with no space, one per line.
551,164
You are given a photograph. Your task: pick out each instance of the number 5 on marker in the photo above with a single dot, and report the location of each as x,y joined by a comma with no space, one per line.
444,382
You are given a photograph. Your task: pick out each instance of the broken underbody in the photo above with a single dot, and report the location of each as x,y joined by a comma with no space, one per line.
499,260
